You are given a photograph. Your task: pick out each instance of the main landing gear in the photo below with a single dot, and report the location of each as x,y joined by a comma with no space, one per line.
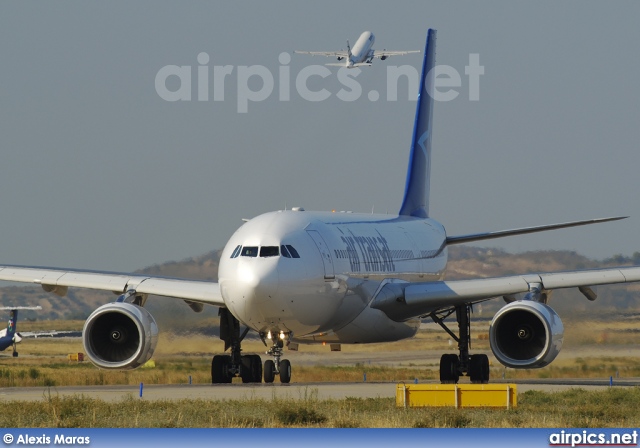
248,367
453,366
225,367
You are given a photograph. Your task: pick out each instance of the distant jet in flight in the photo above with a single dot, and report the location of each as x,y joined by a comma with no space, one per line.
362,53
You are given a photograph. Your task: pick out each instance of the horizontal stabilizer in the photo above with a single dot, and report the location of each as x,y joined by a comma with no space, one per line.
491,235
3,308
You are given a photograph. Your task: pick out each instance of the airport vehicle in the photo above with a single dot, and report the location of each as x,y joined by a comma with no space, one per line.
296,276
361,55
8,336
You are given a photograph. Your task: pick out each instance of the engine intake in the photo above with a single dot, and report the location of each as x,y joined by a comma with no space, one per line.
526,334
120,336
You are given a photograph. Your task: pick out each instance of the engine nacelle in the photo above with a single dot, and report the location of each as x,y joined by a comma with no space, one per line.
526,334
120,336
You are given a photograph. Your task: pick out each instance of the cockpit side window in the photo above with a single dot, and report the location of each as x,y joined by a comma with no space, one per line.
236,251
292,251
284,251
249,251
269,251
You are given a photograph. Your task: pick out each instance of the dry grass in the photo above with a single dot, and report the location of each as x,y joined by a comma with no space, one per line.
43,362
573,408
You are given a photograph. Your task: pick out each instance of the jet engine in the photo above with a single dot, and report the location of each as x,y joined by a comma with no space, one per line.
120,336
526,334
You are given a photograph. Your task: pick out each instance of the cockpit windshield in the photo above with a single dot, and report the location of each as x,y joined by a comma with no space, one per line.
287,251
269,251
249,251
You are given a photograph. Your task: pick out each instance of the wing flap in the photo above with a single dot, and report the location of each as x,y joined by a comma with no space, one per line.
467,290
198,291
107,282
584,278
30,275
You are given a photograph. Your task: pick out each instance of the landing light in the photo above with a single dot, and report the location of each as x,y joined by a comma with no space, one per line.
282,335
269,335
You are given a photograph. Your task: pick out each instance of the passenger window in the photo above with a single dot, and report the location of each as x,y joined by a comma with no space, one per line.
284,251
269,251
236,252
249,251
292,251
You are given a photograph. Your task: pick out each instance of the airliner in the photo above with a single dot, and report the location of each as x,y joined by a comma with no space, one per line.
361,55
304,277
8,336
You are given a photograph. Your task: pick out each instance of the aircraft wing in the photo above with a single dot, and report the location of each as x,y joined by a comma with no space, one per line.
337,54
49,334
385,53
401,301
58,280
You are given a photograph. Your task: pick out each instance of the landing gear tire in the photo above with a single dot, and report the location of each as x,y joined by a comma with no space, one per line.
449,369
285,371
251,369
15,354
220,369
479,369
269,371
256,367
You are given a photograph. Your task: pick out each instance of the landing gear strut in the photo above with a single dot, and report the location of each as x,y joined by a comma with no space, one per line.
225,367
452,366
278,366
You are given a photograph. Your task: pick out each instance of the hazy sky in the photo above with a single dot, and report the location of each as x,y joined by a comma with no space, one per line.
99,172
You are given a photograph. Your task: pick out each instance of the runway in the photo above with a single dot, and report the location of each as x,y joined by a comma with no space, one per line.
322,391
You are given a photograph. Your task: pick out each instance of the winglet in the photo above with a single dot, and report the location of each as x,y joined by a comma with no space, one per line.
416,194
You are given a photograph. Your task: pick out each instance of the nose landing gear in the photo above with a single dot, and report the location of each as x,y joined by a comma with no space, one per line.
248,367
277,366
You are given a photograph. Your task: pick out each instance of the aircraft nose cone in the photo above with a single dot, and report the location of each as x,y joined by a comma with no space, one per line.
254,289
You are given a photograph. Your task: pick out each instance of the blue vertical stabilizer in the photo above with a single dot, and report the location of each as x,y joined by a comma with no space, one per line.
416,194
13,320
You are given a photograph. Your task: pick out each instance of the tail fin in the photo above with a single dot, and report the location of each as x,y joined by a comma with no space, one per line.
13,320
416,194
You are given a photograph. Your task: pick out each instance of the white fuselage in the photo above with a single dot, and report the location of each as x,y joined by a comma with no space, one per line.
361,51
321,290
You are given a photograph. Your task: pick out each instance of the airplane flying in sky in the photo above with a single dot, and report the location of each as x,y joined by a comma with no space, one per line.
297,276
361,54
8,336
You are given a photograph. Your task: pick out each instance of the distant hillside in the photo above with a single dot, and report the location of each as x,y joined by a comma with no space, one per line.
465,262
472,262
